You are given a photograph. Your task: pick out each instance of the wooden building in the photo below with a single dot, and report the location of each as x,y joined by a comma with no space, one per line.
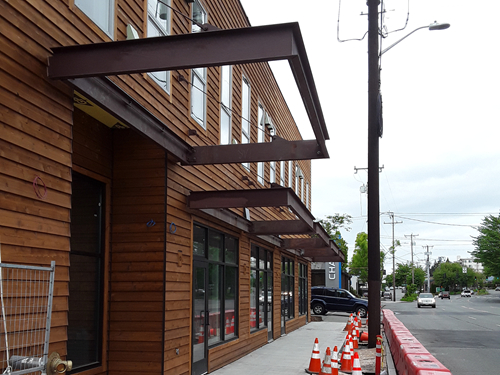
165,176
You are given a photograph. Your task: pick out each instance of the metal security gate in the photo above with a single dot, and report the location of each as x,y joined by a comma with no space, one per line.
26,307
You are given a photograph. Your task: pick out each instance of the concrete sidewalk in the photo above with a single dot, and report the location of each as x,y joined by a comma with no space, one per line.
289,354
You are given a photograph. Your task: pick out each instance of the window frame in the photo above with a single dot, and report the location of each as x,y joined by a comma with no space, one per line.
303,300
261,139
111,19
267,270
246,90
225,108
282,172
223,264
287,281
153,22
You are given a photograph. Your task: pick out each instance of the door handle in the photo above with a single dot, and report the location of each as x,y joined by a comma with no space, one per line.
207,318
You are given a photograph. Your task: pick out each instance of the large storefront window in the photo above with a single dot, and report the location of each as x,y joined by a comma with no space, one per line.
303,303
261,288
219,251
287,287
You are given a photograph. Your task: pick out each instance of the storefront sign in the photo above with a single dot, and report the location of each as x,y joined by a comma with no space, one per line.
333,274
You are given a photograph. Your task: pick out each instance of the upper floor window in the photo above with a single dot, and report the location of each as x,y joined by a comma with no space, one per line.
159,25
282,173
101,12
225,105
245,115
260,139
290,174
307,194
198,75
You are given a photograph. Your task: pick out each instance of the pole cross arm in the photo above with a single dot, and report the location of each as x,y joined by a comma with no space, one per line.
277,150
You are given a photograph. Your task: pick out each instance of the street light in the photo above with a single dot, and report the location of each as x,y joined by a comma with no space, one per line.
374,132
431,27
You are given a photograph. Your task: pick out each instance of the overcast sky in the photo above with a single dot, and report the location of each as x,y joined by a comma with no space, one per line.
440,149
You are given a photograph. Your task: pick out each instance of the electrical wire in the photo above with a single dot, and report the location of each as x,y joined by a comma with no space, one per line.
436,223
338,29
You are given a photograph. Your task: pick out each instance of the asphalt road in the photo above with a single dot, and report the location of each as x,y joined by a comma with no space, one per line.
462,333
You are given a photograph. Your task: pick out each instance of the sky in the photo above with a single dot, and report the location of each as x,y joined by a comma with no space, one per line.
440,150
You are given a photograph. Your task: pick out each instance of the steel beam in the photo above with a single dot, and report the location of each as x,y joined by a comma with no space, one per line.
276,197
277,150
186,51
303,243
114,100
279,227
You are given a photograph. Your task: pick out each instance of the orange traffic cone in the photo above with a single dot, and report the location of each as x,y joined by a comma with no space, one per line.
359,324
232,324
351,346
315,363
228,327
356,367
366,319
363,336
345,362
327,363
355,335
334,362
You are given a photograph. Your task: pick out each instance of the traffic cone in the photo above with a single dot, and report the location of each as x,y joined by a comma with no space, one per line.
363,336
351,346
366,319
345,362
355,335
348,325
315,363
334,362
359,324
356,367
327,363
201,335
232,324
228,327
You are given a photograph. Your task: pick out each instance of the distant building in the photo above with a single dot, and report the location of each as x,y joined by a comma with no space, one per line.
471,263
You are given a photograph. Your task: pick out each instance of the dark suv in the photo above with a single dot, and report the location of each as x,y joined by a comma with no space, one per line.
324,299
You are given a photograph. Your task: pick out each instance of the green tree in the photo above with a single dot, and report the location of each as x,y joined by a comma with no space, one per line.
450,276
332,226
487,245
359,262
403,275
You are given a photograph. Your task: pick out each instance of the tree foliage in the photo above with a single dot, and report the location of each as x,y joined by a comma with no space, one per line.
450,276
403,275
359,262
333,225
487,245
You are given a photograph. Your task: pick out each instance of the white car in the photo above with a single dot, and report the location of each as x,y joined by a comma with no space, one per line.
465,293
426,299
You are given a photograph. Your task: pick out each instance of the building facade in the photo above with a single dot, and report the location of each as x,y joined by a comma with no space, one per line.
147,149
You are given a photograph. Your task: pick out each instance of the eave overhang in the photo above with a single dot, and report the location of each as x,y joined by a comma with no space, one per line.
214,48
319,247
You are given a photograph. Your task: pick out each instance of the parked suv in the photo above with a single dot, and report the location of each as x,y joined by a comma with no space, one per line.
445,294
324,299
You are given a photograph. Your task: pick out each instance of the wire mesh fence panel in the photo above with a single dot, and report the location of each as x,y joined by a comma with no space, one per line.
26,307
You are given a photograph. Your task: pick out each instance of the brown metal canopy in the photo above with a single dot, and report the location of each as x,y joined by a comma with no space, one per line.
81,64
319,247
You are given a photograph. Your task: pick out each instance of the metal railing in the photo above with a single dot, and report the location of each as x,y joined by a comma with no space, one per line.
26,307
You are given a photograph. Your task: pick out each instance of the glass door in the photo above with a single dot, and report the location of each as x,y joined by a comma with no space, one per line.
200,318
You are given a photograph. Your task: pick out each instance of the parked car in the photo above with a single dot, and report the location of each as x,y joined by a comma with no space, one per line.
445,294
497,288
324,299
465,293
388,296
426,299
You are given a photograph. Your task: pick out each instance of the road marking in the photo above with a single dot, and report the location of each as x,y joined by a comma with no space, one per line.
471,317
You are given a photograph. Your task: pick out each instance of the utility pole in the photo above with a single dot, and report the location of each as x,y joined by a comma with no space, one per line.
428,263
412,266
391,215
374,132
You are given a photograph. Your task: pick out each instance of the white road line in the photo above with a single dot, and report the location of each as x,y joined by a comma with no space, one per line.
471,317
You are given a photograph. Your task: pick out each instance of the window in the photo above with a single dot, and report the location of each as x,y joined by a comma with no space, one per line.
86,300
302,188
159,25
282,173
272,177
220,251
290,173
260,139
287,287
307,195
272,164
225,106
245,115
297,175
101,12
198,75
303,302
261,288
